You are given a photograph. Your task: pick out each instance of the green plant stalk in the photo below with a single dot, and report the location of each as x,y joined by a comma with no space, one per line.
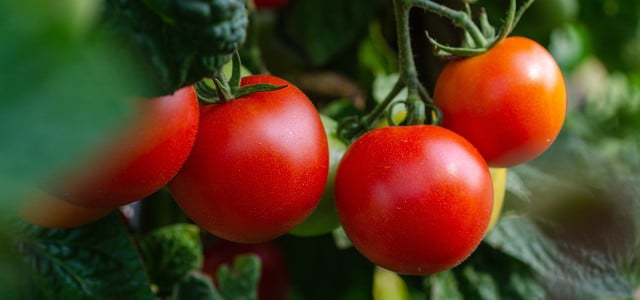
459,18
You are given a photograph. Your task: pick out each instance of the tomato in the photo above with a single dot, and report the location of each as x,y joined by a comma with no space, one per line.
141,159
499,181
414,199
509,102
273,283
46,210
269,4
324,218
258,167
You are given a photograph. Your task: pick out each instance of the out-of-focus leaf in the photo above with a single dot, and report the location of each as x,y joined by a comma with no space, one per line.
587,262
240,280
62,93
443,285
388,285
97,261
170,252
324,28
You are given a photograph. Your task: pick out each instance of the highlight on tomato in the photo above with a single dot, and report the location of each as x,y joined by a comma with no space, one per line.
140,159
509,102
259,164
414,199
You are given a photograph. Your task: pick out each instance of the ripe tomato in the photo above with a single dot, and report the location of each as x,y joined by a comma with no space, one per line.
324,218
509,102
268,4
414,199
49,211
141,159
273,283
258,167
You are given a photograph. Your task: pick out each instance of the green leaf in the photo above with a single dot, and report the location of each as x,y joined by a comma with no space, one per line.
240,280
322,29
492,274
443,285
63,94
195,286
97,261
581,235
170,252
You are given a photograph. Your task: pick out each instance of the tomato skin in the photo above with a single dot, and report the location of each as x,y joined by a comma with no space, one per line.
141,159
269,4
274,272
509,102
324,218
414,199
46,210
258,167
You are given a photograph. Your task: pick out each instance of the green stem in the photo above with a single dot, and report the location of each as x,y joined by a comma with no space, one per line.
408,72
370,119
459,18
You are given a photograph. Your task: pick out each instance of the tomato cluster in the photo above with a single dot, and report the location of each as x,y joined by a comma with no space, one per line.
413,199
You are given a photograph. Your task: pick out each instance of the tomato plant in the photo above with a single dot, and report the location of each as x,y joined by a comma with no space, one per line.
273,283
509,102
414,199
259,164
141,159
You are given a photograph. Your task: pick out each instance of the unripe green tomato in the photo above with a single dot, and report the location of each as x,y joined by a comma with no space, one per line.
499,181
324,218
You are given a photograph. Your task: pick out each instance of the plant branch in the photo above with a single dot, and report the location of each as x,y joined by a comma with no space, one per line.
459,18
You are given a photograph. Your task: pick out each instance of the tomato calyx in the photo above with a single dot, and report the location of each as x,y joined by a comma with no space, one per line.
219,89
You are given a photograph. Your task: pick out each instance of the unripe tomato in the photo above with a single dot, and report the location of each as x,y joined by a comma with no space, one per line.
258,167
273,283
414,199
509,102
324,218
48,211
499,181
141,159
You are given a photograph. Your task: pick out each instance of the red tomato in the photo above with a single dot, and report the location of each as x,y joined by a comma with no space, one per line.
140,160
258,167
270,3
48,211
414,199
509,102
274,273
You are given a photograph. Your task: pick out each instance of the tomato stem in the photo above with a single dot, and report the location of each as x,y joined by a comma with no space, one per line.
460,18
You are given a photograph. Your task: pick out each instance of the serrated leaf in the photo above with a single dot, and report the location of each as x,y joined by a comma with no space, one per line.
491,274
170,252
195,286
240,280
324,28
97,261
583,269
